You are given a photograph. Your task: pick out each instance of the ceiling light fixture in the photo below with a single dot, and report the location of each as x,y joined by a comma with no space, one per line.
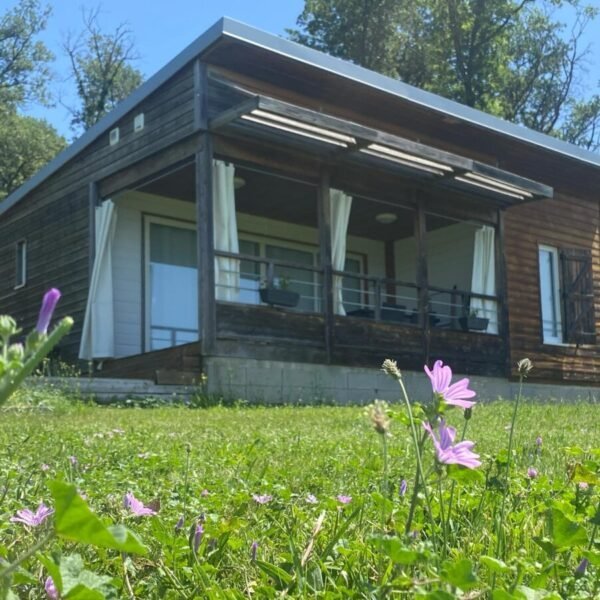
386,218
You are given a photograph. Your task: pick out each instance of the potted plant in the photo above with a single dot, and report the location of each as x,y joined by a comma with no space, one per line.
278,294
473,322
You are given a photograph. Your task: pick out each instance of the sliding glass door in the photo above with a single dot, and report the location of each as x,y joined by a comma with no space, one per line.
171,283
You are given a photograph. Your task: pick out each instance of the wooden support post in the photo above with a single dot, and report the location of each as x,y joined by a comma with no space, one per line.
422,275
390,270
205,249
94,201
324,221
200,95
377,307
501,289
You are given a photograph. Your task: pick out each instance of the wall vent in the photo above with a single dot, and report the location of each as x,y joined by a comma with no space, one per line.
113,136
138,122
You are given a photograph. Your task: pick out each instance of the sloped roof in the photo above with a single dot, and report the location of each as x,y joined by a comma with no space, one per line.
235,30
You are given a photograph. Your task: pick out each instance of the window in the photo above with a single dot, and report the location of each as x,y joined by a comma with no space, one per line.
566,296
550,296
21,264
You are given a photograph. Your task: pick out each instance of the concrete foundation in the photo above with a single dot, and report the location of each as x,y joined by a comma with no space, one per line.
296,383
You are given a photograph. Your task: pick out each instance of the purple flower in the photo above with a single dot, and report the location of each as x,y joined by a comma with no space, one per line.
136,506
50,588
455,394
311,499
45,467
403,487
532,473
204,493
459,454
344,499
253,550
583,485
581,568
32,519
73,460
198,533
51,298
538,441
262,498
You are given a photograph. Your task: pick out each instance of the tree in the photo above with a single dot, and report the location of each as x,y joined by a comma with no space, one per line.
26,145
23,59
511,58
102,70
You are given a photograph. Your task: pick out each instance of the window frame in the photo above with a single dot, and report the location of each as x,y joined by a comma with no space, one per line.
20,264
148,219
558,340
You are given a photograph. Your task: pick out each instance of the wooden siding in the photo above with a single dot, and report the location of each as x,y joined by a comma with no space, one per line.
54,218
564,222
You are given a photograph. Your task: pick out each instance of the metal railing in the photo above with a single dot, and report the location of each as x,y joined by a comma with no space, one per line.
250,279
165,337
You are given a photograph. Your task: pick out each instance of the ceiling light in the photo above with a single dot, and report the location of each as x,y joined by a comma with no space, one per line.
386,218
238,182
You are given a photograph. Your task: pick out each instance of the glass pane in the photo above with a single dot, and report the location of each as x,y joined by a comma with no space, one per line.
173,286
351,285
297,280
249,274
551,318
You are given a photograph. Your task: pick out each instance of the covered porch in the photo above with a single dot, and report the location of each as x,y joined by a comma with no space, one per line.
289,234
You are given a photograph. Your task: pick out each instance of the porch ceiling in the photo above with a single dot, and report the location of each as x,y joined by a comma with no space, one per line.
343,141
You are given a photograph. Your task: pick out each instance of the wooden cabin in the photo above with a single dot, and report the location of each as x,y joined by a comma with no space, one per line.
259,201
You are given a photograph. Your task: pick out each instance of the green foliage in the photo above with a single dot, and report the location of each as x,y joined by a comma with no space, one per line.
324,550
23,59
27,145
102,70
513,58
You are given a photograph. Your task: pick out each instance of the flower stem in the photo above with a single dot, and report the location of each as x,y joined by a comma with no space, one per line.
15,565
451,501
420,472
500,528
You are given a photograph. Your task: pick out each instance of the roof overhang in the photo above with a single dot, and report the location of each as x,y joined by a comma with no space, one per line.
345,141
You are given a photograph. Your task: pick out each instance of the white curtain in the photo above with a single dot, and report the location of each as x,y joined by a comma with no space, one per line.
484,277
227,270
98,335
340,215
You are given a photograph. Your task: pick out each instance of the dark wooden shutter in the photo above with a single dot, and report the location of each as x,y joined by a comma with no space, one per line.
578,296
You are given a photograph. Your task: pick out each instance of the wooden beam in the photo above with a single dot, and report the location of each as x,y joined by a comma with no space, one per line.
422,275
205,245
324,223
200,95
539,190
501,290
94,200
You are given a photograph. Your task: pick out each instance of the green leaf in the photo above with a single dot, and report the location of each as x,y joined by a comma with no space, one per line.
74,520
439,595
593,556
463,475
495,565
81,584
277,573
393,548
582,474
565,533
53,570
460,574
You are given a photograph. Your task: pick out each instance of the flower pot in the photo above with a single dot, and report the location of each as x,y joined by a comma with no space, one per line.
279,297
473,323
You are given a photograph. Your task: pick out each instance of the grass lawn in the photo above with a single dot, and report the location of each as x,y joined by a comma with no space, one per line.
272,476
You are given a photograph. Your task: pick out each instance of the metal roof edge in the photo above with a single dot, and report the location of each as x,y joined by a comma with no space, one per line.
404,90
200,44
273,43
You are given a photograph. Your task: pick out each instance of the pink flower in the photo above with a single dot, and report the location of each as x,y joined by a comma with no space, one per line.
455,394
262,498
136,506
73,460
459,454
204,493
45,467
532,473
32,519
344,499
51,298
583,485
50,588
198,533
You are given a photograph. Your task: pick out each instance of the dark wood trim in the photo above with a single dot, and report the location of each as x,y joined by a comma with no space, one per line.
501,289
205,245
324,224
390,268
422,276
539,190
200,95
94,201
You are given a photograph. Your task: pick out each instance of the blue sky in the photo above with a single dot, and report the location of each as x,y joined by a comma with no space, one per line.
163,28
